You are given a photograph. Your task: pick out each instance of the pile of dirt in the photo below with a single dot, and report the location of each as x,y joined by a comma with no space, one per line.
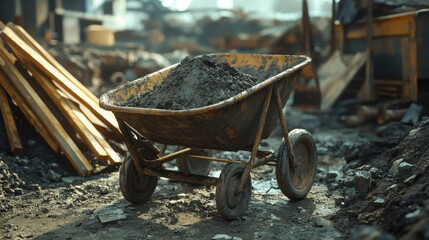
391,191
195,82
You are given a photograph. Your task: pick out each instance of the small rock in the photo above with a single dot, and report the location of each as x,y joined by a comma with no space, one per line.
379,202
236,238
71,179
78,224
413,214
53,176
45,210
31,142
274,217
34,187
22,162
349,192
394,169
221,236
409,181
363,182
9,190
302,210
393,189
331,176
404,170
111,214
271,224
348,181
19,191
371,233
318,223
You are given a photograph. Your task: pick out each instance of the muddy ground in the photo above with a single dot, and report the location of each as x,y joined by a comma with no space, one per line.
42,198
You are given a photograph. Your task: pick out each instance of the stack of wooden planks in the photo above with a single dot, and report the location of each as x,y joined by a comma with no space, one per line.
60,108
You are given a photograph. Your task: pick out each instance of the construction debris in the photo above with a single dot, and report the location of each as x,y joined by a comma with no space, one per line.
59,107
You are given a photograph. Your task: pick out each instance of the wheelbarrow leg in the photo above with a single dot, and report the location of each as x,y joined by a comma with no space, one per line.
132,147
258,136
283,124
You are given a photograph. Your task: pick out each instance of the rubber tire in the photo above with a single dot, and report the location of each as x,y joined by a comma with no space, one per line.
231,174
195,166
283,168
132,187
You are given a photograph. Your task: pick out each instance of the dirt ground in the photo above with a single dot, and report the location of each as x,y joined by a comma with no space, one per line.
41,198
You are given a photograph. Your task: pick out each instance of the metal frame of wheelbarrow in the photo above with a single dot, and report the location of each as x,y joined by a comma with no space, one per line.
151,167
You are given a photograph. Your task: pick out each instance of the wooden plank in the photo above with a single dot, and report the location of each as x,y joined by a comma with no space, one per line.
40,62
30,116
113,157
66,111
37,47
68,147
9,123
98,124
337,83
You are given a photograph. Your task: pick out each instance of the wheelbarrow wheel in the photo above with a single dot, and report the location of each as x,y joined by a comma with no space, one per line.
231,203
195,166
133,188
296,182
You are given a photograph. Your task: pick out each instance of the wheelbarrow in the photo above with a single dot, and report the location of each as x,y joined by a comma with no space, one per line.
238,123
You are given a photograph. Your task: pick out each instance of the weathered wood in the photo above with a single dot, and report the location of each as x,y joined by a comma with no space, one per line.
9,123
69,114
112,156
37,47
30,116
69,148
40,62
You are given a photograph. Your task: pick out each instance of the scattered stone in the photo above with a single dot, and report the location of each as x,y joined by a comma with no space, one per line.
31,142
34,187
413,214
71,179
379,202
349,192
363,182
9,190
369,233
404,170
394,169
53,176
331,176
236,238
221,236
301,210
19,191
22,162
410,180
111,214
393,189
271,224
318,223
348,181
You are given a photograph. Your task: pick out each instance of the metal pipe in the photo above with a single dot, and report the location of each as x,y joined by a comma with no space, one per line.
172,156
179,176
284,126
258,136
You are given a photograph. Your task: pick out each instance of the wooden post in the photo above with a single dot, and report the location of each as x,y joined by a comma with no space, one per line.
367,93
9,123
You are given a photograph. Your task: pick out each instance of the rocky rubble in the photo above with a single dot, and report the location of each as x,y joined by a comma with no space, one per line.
390,188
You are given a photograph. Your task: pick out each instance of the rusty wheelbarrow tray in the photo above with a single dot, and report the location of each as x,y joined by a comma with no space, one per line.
238,123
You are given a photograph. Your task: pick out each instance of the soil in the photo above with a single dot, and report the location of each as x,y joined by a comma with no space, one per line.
195,82
41,197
